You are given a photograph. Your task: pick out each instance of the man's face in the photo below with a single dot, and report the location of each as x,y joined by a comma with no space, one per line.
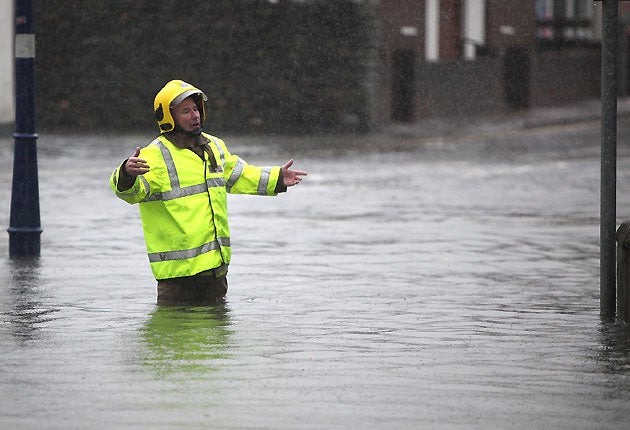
187,115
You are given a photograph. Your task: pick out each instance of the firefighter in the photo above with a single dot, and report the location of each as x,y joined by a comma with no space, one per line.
180,182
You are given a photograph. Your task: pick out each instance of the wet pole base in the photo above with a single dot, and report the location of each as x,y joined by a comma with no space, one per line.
623,271
24,242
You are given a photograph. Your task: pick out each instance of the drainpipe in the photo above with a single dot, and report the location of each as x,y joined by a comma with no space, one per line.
474,27
432,33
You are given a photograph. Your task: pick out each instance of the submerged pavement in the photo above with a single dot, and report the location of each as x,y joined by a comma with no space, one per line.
436,280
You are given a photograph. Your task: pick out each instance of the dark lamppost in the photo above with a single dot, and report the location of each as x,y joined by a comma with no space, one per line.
25,228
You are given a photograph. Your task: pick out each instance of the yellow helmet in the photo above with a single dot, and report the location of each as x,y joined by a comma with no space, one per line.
172,94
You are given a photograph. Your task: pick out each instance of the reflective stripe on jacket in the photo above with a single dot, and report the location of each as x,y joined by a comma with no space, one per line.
183,204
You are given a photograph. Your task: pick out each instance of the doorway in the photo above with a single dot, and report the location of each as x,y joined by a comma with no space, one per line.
403,73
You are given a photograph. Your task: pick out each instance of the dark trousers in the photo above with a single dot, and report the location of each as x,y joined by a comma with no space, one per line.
202,289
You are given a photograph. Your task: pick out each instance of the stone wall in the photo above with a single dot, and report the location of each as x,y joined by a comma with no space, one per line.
266,66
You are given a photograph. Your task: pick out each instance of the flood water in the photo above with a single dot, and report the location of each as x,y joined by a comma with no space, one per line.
444,284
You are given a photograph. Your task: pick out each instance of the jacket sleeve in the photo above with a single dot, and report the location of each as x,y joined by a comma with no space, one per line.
244,178
135,194
142,187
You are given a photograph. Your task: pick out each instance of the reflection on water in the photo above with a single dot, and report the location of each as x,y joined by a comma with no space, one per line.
186,339
614,355
24,308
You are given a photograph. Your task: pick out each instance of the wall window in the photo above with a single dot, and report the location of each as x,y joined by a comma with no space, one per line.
564,23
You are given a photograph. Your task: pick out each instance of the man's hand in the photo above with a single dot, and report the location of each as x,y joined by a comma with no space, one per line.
136,166
291,177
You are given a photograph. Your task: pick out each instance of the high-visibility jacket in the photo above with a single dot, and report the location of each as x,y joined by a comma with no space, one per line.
183,203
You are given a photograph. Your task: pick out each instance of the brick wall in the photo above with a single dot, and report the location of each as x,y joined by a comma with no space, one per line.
565,77
458,88
461,88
